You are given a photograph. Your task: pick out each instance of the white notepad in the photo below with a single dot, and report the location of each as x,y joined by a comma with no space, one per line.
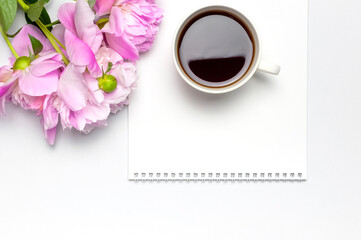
258,132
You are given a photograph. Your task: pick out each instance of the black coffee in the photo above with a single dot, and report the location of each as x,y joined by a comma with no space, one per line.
215,49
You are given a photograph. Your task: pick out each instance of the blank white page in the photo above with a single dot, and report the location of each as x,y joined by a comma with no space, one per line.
258,132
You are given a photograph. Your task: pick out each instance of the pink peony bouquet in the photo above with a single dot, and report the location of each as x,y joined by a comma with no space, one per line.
79,69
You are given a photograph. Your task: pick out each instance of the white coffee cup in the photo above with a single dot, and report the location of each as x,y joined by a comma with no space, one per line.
256,64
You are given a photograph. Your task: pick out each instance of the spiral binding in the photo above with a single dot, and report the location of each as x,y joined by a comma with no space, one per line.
217,177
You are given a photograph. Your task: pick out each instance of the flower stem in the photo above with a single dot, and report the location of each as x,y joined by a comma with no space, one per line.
52,40
26,8
56,40
52,24
23,5
8,42
47,33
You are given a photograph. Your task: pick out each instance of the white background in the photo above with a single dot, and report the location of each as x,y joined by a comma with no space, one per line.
43,197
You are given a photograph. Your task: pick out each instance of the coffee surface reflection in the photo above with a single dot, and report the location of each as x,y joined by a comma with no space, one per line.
215,49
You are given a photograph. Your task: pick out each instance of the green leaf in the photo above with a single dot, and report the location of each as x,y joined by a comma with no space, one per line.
14,35
44,18
35,10
91,3
110,65
2,20
7,13
31,55
29,2
36,44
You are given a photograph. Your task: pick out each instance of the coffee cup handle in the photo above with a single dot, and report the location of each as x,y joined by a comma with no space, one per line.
269,68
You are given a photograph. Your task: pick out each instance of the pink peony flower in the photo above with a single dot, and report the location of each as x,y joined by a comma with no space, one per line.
10,91
87,118
132,25
78,18
80,104
125,74
81,38
41,76
28,85
101,71
25,101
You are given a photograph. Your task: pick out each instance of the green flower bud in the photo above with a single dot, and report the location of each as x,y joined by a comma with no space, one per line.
21,63
107,83
101,23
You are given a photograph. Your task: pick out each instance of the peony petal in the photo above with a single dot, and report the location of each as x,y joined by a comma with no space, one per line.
64,112
4,89
126,76
142,19
116,24
119,95
50,114
36,103
135,26
45,64
89,127
73,121
103,6
79,120
45,67
120,2
129,71
92,84
26,101
66,14
7,78
5,74
22,43
106,55
48,56
123,46
121,92
2,106
136,30
96,113
58,32
80,53
50,135
5,98
71,88
39,86
85,28
42,77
